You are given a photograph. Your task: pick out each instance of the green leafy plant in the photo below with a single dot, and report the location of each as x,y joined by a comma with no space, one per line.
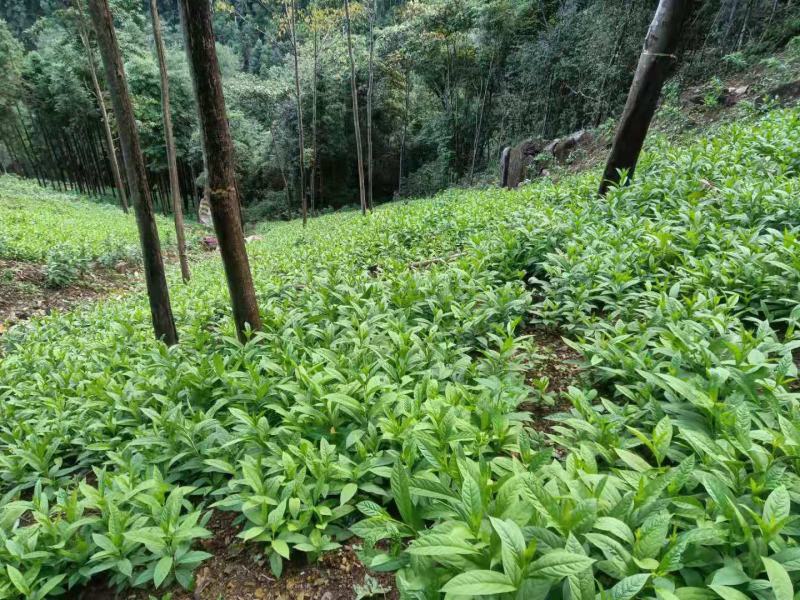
387,396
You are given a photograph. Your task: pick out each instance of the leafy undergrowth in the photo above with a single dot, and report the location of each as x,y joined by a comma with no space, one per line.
383,397
67,233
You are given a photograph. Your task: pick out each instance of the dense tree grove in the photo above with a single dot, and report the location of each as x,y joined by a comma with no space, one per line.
441,85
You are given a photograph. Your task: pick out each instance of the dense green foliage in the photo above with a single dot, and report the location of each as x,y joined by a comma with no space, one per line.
34,220
383,396
65,232
480,75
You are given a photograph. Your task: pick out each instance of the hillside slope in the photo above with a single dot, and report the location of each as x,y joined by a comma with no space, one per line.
385,397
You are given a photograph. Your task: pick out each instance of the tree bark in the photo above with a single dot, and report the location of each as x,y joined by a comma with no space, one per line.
479,124
291,15
27,149
405,129
356,125
157,291
169,139
202,57
314,119
370,90
112,155
655,64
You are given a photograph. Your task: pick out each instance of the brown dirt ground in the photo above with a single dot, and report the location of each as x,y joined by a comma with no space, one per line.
234,573
561,364
23,293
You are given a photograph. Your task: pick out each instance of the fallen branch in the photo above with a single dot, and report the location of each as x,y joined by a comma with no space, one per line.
432,261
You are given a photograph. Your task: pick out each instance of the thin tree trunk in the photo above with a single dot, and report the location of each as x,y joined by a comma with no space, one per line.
480,121
157,291
112,155
193,185
15,159
28,152
63,165
218,147
85,166
106,160
405,129
94,166
291,15
655,63
356,125
370,90
169,139
55,173
314,121
72,156
35,163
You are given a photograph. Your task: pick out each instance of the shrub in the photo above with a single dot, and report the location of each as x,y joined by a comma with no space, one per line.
64,266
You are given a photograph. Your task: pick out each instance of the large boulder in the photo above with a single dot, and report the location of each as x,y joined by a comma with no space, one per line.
524,161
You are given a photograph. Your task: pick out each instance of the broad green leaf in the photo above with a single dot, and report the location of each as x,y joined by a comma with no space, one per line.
347,493
441,544
401,494
730,575
162,570
728,593
512,547
557,564
17,580
652,535
479,583
779,578
777,505
633,460
281,547
616,527
628,587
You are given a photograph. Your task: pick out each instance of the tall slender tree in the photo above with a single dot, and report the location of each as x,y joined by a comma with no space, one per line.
407,86
370,92
157,291
98,92
314,93
655,64
356,124
291,15
198,36
169,139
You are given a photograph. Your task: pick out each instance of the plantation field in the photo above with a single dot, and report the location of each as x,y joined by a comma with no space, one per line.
387,397
36,223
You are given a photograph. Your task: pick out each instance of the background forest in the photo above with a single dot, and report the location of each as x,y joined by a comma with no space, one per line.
443,86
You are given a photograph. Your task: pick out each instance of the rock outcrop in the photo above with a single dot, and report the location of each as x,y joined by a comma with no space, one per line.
530,158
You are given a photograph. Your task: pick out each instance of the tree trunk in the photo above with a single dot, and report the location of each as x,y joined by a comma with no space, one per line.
405,129
370,90
112,155
356,125
655,64
202,56
479,124
169,138
27,150
157,291
299,100
314,121
72,156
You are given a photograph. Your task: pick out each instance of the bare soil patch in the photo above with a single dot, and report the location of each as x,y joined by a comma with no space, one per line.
238,572
561,365
24,295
